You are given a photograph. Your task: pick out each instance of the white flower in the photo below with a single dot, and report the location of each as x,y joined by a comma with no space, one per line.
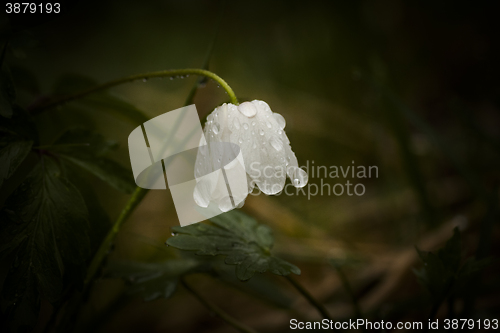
268,157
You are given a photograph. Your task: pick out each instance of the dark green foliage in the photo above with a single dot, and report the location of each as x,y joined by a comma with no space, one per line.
442,273
86,149
237,236
100,100
152,280
12,155
45,228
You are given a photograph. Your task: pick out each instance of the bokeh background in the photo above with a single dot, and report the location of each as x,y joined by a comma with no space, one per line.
408,86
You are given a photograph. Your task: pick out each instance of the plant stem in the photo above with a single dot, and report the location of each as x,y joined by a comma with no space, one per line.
144,76
218,311
321,309
103,250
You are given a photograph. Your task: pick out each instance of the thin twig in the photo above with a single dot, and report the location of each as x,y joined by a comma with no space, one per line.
218,311
144,76
320,307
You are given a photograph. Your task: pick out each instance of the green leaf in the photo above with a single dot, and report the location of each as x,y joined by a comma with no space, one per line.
86,149
151,280
100,100
44,228
99,221
12,156
19,127
260,286
442,273
237,236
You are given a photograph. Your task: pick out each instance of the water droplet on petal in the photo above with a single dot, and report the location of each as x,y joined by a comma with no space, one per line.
300,178
200,195
245,126
236,123
280,132
261,131
280,120
216,128
268,124
240,140
247,109
276,144
254,145
253,123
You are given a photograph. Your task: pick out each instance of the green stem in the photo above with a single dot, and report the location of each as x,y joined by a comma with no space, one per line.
218,311
106,244
320,307
145,76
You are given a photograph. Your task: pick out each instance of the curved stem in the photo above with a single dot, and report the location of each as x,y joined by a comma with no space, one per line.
145,76
218,311
320,307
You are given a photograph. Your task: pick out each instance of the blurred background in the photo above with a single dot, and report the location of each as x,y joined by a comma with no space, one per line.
408,86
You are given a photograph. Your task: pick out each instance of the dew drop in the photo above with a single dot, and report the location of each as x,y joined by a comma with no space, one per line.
245,126
300,178
240,140
247,109
280,132
200,196
216,128
253,132
280,120
268,124
253,123
261,131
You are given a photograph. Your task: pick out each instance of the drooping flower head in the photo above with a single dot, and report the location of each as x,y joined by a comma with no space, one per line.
268,157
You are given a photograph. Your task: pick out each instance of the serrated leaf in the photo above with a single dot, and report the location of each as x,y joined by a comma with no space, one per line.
151,280
237,236
101,100
86,149
12,156
19,127
442,273
44,227
260,286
